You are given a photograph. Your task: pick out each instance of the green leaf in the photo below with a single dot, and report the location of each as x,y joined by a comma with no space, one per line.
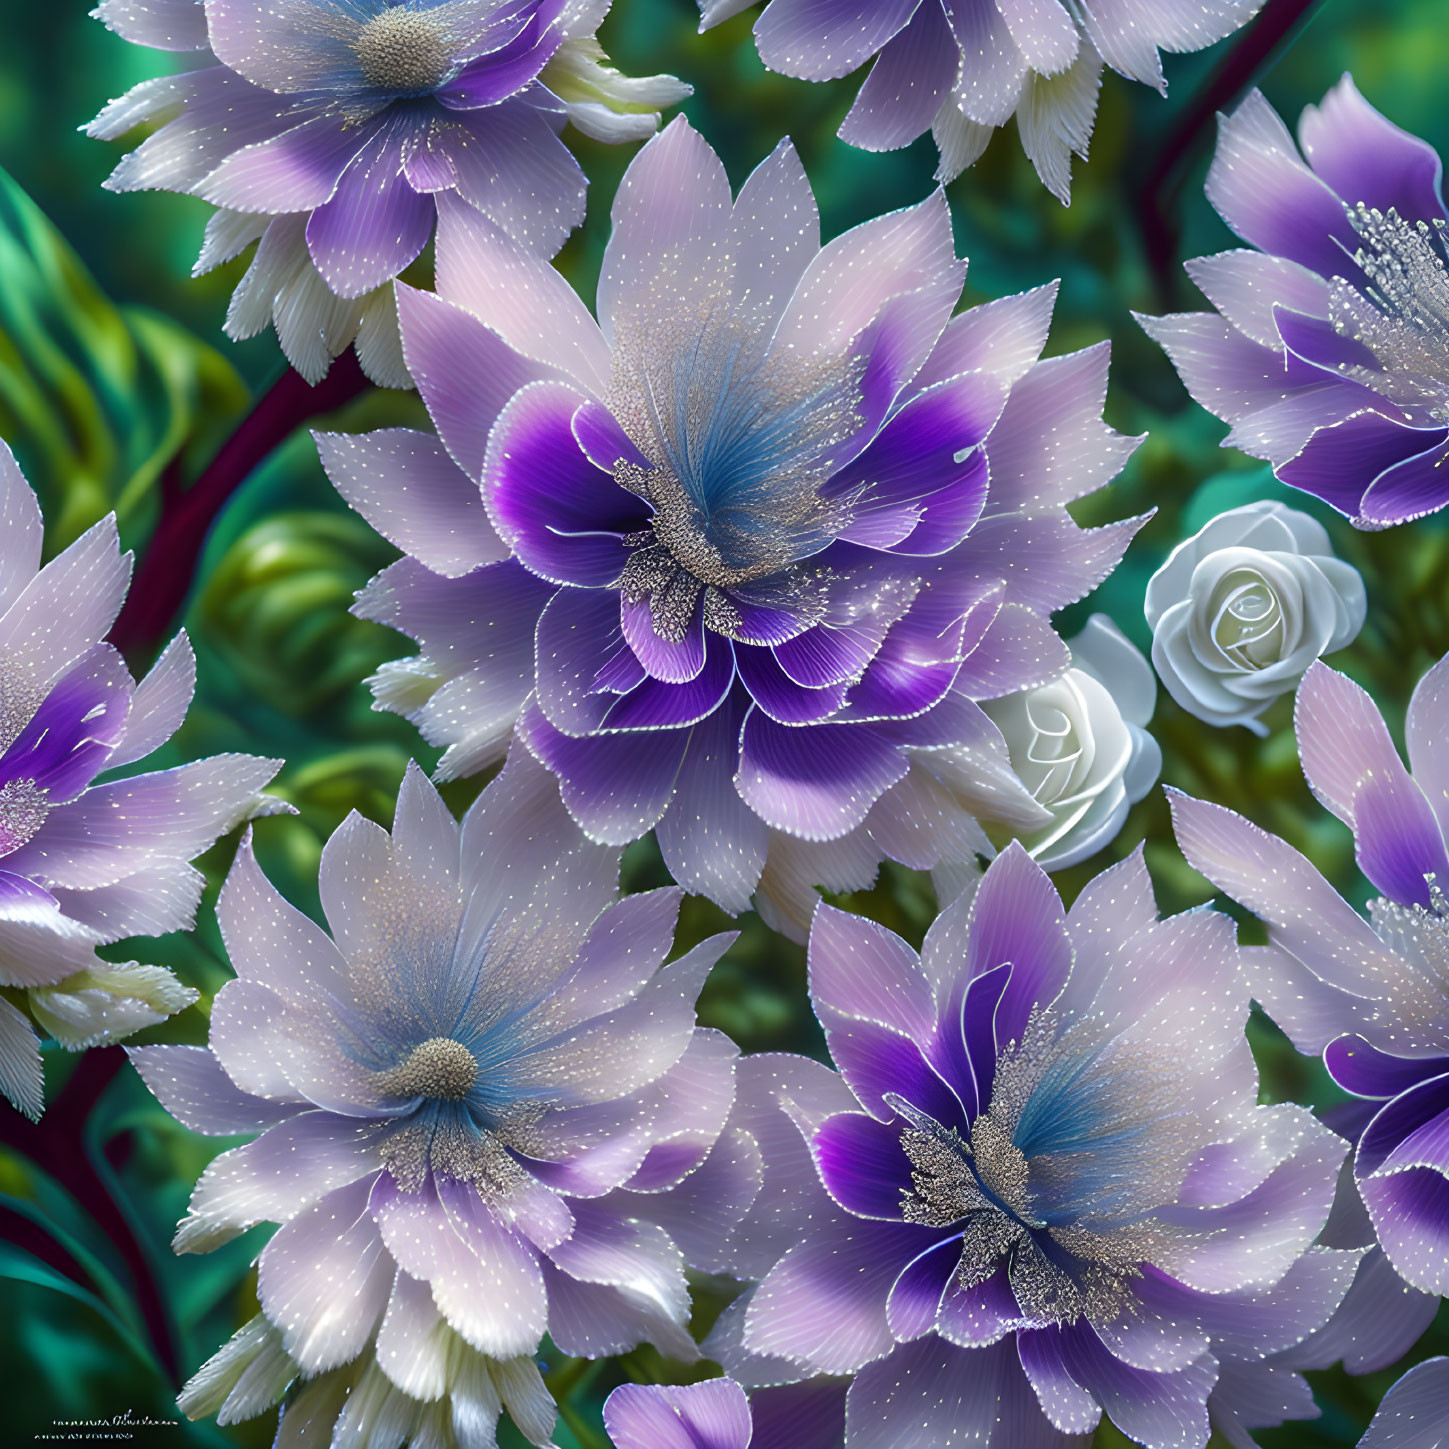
96,399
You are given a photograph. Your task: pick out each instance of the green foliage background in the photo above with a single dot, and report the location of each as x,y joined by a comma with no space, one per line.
112,363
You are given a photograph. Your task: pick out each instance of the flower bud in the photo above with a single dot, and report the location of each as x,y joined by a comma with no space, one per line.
1080,745
1240,610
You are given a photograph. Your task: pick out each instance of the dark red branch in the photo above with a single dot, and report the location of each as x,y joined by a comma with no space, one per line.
57,1145
1157,195
168,567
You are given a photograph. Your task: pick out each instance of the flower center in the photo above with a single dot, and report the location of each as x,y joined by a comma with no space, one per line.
23,807
439,1068
402,50
1404,319
1248,626
1058,1179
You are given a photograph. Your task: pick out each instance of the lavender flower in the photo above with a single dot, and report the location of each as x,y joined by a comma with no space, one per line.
327,130
1328,351
1048,1189
85,860
717,1415
961,70
751,547
1372,996
475,1092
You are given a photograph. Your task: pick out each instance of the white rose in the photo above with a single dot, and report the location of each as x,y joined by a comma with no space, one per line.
1241,610
1080,746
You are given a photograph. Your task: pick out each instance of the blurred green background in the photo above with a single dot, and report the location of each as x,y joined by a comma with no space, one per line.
112,362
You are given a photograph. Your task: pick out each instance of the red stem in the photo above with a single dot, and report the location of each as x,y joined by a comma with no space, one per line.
1157,195
169,565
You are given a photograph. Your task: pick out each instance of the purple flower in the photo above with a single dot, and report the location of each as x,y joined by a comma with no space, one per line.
87,858
717,1415
750,547
477,1092
327,130
1045,1189
1327,353
1372,996
962,68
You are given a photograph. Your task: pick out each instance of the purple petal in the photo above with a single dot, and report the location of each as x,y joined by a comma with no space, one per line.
1019,649
1410,1210
1018,918
1409,489
906,85
1053,561
906,257
1366,158
324,1279
373,226
782,698
654,704
1340,462
1424,733
1050,444
980,1316
1005,337
408,488
825,655
1341,738
1165,1409
1068,1406
295,171
860,969
809,1415
1316,341
673,661
70,737
1361,1068
774,233
118,827
1276,883
1397,839
824,1303
862,1164
515,170
980,1394
1413,1410
615,790
465,372
975,1026
1411,1131
670,209
915,1296
1268,196
816,781
583,660
190,1083
522,298
561,515
270,1179
799,38
603,441
504,72
711,1415
711,841
910,469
